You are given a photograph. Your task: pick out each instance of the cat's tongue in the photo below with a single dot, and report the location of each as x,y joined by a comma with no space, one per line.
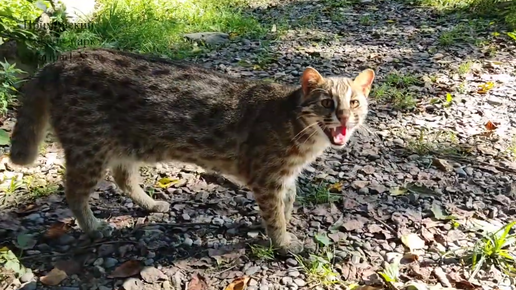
339,135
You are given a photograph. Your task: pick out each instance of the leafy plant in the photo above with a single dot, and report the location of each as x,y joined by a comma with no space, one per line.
495,248
10,84
318,194
262,252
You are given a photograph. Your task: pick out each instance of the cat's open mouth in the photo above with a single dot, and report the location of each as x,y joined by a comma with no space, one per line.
336,135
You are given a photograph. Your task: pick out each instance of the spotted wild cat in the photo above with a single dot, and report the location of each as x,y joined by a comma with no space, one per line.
113,109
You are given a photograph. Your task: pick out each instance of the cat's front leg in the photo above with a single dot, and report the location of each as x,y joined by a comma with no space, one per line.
271,200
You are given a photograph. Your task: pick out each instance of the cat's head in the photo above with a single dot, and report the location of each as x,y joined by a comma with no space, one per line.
338,105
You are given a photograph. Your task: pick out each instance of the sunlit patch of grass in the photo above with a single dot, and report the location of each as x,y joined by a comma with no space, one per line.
495,248
465,68
263,253
319,266
396,89
428,142
158,27
318,194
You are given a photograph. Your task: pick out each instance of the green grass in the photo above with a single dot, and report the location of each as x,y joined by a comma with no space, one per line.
497,249
500,11
465,68
158,27
395,89
318,194
263,253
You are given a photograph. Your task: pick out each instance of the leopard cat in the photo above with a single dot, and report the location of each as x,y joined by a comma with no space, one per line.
118,110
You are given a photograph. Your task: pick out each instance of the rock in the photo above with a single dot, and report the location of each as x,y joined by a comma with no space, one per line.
287,280
30,286
212,38
110,262
133,284
252,270
151,275
293,274
299,282
66,239
27,277
188,242
106,250
218,221
253,234
292,262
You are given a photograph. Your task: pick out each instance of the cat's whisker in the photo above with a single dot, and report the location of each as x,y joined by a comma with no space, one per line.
294,139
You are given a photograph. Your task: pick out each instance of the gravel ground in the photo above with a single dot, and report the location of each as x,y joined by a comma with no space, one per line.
433,166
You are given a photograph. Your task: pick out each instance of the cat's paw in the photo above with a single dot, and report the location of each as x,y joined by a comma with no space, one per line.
292,246
160,206
101,230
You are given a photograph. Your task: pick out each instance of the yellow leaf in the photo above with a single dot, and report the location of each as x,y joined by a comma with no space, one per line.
495,34
336,186
238,284
395,191
256,67
484,88
166,182
390,21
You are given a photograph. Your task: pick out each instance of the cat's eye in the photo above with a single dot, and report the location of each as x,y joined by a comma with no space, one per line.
327,103
354,103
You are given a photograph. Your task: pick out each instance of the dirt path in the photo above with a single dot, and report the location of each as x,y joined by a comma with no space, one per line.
433,167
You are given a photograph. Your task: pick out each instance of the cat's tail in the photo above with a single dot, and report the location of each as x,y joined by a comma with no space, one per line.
31,122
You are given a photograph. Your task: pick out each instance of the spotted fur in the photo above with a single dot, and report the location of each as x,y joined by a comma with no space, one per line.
113,109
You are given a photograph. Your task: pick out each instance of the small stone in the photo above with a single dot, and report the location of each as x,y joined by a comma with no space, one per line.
110,262
252,282
213,38
218,221
252,270
133,284
461,172
27,277
293,274
106,250
253,234
286,280
292,262
188,242
186,217
30,286
262,287
152,275
299,282
66,239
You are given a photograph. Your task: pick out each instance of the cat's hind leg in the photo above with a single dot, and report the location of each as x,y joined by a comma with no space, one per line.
127,178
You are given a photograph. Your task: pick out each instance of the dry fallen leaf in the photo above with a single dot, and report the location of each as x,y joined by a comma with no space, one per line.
57,230
69,266
166,182
197,283
238,284
413,242
53,277
336,187
484,88
442,164
395,191
490,126
127,269
441,276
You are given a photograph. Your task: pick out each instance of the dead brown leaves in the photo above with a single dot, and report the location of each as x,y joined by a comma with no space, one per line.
197,282
53,277
238,284
127,269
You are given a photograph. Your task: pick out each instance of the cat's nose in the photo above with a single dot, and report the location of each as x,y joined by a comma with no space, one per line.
343,120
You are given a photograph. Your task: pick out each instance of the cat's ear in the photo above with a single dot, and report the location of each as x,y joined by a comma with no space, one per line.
310,80
364,80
